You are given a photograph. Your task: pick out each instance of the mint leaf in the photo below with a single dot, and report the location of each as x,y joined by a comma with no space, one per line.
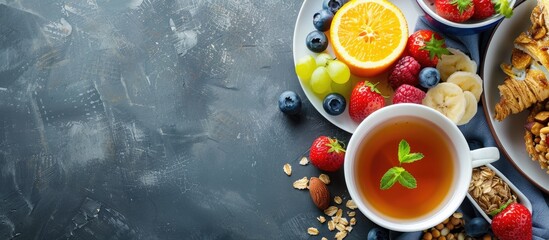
403,149
390,177
412,157
407,180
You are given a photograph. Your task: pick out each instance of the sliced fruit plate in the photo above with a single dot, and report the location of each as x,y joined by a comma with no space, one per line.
352,58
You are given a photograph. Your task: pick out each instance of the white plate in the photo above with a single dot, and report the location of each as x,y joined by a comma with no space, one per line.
304,25
509,133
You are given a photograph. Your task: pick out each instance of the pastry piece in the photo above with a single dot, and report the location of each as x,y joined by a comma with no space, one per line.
535,135
518,95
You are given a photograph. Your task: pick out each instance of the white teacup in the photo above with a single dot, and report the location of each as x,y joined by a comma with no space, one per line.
462,162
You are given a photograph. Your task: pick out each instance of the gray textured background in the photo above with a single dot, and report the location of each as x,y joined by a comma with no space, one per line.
153,119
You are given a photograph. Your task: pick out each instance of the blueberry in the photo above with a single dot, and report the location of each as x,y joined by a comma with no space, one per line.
316,41
477,227
333,5
334,104
322,20
429,77
289,102
378,234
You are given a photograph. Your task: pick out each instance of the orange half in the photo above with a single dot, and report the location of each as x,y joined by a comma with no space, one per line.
368,35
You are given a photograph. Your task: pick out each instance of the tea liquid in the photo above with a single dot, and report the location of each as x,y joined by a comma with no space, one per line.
434,173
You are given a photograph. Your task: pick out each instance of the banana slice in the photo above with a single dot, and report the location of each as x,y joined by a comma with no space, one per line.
468,82
470,108
458,61
448,99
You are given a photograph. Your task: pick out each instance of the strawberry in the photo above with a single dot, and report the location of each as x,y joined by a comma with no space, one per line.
365,99
408,94
327,154
455,10
426,47
405,71
514,222
487,8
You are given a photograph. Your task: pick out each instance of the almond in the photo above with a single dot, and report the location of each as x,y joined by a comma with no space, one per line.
319,193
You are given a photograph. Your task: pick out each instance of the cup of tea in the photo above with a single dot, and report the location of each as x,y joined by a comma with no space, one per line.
408,167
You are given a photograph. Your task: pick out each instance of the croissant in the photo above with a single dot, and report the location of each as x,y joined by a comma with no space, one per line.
518,95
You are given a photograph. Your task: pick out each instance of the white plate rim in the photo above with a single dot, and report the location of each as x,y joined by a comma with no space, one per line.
301,29
515,154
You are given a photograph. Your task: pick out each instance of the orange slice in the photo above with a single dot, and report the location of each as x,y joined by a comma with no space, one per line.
368,35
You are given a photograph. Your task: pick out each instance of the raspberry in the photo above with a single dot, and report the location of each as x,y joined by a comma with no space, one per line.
405,71
408,94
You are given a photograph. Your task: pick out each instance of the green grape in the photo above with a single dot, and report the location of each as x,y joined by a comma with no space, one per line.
305,67
338,71
323,59
320,81
344,89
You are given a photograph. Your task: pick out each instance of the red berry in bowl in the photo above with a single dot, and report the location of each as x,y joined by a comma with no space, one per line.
455,10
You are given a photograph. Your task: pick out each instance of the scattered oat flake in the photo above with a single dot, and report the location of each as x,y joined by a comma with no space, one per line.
344,221
287,169
339,213
324,178
331,225
312,231
331,210
353,221
351,213
351,204
321,219
338,200
341,235
349,229
336,219
340,227
323,238
304,161
301,183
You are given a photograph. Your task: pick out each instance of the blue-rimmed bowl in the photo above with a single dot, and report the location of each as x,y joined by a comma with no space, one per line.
427,8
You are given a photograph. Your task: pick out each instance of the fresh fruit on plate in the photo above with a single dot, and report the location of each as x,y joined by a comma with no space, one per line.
304,67
455,10
289,102
467,82
429,77
514,222
457,61
320,80
426,47
322,20
405,71
368,35
333,5
334,104
408,94
448,99
339,72
471,108
316,41
365,99
327,154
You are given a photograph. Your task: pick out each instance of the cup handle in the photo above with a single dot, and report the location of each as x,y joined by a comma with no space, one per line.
483,156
